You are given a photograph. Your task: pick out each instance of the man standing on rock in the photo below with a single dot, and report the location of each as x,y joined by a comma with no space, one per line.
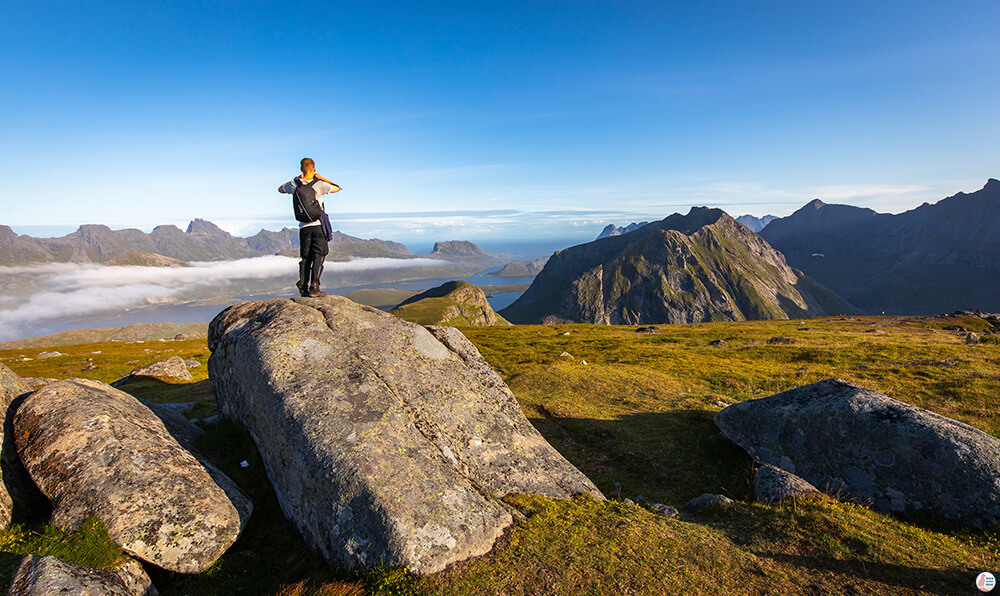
307,193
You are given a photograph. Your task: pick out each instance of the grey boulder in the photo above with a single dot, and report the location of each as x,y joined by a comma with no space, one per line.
708,501
45,576
902,459
16,488
773,485
186,433
664,510
170,370
385,441
94,450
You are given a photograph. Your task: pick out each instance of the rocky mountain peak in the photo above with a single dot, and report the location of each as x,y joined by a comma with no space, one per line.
702,266
203,226
813,205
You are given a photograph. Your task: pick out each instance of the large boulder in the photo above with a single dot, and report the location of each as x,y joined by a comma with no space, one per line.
45,576
186,433
385,441
94,450
902,459
16,488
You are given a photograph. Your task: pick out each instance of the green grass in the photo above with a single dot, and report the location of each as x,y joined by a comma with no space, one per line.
637,419
88,545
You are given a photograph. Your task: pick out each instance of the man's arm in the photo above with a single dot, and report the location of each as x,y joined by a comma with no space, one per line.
287,188
336,187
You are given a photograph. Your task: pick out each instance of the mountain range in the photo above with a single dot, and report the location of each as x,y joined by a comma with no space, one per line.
202,241
703,266
936,258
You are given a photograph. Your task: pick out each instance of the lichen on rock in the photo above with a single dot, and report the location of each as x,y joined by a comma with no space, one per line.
846,439
394,446
94,450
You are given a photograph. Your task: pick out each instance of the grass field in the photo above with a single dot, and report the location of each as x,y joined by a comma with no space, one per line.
634,412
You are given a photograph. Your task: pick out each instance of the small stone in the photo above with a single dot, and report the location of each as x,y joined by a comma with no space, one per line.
567,333
709,501
583,362
89,367
192,363
664,510
628,501
211,420
772,484
972,338
171,370
50,354
36,382
717,342
181,407
566,355
779,339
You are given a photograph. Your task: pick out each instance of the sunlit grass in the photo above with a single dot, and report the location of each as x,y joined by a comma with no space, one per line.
637,419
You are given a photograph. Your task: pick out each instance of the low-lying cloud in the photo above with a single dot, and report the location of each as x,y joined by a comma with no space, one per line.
72,290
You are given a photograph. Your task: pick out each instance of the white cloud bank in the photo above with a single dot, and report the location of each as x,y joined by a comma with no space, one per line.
71,290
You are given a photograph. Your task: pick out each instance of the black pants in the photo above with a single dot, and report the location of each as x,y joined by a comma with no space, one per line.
313,248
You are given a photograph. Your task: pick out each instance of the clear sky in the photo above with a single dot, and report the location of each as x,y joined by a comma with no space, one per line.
474,120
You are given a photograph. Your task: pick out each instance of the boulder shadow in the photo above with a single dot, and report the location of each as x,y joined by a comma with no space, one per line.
668,457
945,582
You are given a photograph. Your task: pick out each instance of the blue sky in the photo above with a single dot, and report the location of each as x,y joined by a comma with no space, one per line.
477,120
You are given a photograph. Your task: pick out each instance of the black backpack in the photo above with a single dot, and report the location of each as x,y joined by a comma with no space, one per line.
305,202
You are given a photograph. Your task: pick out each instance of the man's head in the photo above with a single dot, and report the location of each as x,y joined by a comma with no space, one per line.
307,166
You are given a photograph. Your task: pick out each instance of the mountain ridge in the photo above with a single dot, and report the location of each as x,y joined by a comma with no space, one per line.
934,258
201,241
686,268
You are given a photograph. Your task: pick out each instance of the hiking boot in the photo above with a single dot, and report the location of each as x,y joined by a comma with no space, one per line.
315,292
302,290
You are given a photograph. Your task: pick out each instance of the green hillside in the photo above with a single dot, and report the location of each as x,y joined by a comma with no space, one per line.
637,419
452,303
